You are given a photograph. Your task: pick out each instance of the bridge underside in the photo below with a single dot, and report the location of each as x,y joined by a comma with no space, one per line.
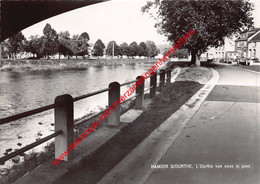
18,15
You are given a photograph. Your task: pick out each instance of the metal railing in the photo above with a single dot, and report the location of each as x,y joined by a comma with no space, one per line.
64,113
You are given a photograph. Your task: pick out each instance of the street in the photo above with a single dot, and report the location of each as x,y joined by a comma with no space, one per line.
222,140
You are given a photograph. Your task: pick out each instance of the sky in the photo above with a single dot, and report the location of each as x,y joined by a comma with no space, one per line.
119,20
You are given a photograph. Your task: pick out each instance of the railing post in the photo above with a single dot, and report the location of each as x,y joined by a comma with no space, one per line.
162,77
64,121
113,99
168,76
153,82
140,90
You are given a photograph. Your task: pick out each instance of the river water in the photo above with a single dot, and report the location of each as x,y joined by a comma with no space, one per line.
26,89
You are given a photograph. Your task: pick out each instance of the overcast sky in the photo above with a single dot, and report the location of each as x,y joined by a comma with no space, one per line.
119,20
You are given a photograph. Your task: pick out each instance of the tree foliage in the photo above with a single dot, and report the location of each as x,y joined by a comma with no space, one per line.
79,44
180,53
152,50
109,50
50,41
64,44
124,49
34,45
133,49
142,49
16,43
211,20
99,48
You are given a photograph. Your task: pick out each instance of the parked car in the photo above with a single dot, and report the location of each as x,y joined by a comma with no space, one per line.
230,60
251,61
241,60
221,60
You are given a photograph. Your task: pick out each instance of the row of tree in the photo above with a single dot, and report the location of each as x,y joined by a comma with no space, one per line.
52,43
146,49
49,44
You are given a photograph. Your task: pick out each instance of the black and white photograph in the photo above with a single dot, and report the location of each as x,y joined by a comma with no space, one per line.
129,91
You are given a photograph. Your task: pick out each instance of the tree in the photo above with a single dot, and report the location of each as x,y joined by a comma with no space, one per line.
124,49
142,49
211,21
99,48
50,41
148,50
34,45
16,43
64,44
109,50
84,36
133,49
83,44
79,44
181,53
74,45
152,50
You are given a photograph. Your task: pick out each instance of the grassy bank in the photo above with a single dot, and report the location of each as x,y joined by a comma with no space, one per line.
64,64
170,99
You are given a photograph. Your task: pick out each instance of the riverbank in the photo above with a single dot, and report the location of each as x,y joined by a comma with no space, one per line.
64,64
26,90
164,104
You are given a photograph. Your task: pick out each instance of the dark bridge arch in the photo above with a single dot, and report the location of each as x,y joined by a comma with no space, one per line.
18,15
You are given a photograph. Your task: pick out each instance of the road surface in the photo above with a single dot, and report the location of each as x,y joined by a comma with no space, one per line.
221,143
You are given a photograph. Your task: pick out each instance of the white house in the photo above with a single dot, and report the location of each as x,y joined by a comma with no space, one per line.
223,52
254,46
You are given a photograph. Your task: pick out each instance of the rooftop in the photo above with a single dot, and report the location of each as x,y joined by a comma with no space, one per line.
249,34
256,38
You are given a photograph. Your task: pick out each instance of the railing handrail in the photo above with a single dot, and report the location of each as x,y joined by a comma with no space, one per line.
90,94
51,106
129,82
56,104
26,114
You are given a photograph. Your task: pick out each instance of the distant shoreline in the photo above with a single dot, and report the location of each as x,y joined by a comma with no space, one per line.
64,64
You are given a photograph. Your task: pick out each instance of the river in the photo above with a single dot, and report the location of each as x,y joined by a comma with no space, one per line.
26,89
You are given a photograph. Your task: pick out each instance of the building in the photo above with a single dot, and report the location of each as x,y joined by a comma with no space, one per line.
242,43
230,55
254,46
222,53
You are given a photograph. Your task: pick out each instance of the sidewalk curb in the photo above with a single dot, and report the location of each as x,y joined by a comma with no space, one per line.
247,70
238,67
136,166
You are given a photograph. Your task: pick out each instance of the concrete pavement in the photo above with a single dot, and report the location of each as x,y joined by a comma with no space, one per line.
219,145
